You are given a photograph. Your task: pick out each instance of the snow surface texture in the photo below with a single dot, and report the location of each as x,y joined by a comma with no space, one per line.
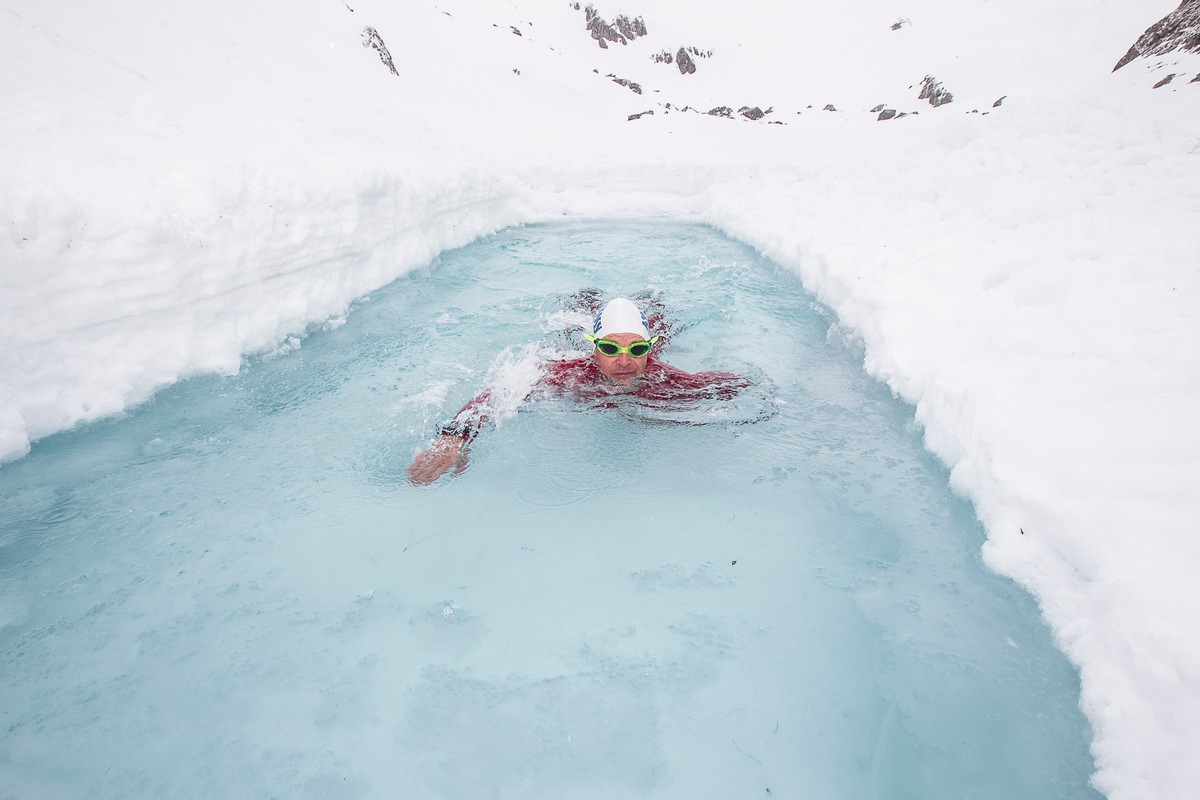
181,185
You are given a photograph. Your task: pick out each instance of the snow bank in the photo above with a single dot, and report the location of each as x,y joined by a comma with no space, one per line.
103,304
182,186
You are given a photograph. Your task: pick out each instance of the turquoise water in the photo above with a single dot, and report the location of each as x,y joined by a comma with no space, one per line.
231,591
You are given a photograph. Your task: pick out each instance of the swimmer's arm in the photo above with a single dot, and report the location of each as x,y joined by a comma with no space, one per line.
452,447
432,463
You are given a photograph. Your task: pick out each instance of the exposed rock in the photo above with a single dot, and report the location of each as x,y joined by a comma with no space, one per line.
639,115
933,91
998,102
877,108
372,40
1195,79
754,113
900,23
1165,81
886,113
828,107
630,28
1179,30
633,87
684,62
621,31
516,30
721,111
684,58
1130,55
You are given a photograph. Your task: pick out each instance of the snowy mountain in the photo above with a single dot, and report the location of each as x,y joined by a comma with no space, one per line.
1008,222
1178,32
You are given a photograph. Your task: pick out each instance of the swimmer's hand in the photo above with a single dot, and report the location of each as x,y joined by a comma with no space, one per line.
432,463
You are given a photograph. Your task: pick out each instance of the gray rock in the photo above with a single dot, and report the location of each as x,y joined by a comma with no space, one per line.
630,28
754,113
1179,30
886,114
633,87
721,111
1165,81
372,40
684,62
933,91
621,31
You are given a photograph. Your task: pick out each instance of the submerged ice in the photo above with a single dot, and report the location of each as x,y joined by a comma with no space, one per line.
232,591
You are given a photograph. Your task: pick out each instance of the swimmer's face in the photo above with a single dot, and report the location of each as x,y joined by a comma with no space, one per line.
622,367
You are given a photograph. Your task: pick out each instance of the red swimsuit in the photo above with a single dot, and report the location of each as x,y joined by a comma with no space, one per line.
580,379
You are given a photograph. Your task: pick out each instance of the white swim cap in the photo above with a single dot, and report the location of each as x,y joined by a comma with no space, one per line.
620,316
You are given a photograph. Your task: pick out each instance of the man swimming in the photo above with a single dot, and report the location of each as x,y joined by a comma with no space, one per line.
620,365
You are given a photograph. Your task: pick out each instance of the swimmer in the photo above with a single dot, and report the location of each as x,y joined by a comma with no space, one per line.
621,363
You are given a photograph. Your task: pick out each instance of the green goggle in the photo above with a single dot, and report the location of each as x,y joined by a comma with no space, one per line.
607,348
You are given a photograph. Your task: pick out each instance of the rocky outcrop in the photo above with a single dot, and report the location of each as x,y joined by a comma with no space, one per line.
372,40
754,113
685,63
933,91
721,111
886,113
628,84
1179,30
622,30
684,58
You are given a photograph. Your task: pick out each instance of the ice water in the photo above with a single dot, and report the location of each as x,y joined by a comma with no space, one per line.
231,591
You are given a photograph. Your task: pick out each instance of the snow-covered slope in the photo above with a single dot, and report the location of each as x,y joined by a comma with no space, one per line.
182,184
